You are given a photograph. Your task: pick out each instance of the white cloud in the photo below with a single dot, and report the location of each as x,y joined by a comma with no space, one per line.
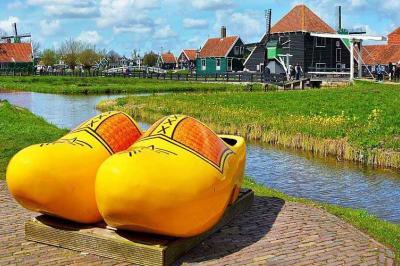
91,37
211,4
67,8
191,23
165,32
123,12
49,27
6,25
15,5
249,25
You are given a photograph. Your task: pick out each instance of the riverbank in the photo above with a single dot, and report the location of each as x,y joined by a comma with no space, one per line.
20,128
360,123
106,85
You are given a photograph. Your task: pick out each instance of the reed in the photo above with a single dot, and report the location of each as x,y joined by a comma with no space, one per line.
360,123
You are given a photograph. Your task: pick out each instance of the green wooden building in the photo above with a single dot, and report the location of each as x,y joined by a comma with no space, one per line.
221,55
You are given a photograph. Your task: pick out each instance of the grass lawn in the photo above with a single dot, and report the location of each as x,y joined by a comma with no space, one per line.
20,128
102,85
359,122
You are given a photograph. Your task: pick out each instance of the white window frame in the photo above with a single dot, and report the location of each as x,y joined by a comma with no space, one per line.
284,40
230,64
203,64
320,45
236,50
338,58
218,64
320,66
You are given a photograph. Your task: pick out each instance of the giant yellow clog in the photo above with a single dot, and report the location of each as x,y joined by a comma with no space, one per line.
177,180
58,178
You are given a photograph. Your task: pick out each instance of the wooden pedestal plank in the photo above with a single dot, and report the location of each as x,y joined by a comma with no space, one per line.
137,248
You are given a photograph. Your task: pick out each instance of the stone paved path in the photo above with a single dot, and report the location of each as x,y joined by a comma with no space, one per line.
272,232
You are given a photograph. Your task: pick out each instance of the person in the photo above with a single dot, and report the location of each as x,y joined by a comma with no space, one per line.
292,72
391,73
298,70
397,72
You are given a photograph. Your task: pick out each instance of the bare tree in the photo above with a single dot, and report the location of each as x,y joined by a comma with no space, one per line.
36,48
70,51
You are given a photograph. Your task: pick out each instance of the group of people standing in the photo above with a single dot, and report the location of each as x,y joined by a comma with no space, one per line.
295,72
393,72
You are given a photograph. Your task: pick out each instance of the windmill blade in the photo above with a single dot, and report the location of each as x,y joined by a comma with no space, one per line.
15,29
26,35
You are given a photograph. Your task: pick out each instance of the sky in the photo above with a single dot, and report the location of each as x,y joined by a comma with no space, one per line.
171,25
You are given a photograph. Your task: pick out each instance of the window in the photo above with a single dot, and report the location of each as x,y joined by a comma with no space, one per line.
320,42
320,66
236,50
284,41
203,64
218,63
338,55
229,64
338,67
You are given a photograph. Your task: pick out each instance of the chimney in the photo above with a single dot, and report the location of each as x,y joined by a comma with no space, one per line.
338,18
223,32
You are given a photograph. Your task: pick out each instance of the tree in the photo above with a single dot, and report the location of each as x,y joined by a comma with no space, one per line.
36,49
88,58
70,51
49,57
150,59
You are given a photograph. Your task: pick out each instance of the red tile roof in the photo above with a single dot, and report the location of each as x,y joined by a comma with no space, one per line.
301,18
168,58
218,47
381,54
394,37
15,52
190,53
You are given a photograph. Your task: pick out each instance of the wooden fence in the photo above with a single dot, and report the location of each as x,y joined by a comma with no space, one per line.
225,77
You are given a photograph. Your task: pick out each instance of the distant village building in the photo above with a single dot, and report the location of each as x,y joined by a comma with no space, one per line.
221,55
290,43
167,61
383,54
16,55
187,59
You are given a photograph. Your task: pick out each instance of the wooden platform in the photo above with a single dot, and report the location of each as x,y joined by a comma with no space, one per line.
137,248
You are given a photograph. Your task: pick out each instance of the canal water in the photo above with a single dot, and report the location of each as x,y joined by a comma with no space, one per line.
295,173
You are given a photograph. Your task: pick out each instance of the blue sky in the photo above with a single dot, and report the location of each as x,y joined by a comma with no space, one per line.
124,25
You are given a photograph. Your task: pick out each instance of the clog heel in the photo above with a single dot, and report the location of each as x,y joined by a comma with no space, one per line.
177,180
58,178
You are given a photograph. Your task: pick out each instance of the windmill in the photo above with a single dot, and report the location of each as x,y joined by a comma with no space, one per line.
16,38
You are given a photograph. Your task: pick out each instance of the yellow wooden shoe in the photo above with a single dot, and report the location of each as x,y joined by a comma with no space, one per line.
177,180
58,178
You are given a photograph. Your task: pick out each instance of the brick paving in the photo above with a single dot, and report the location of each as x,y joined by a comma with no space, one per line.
272,232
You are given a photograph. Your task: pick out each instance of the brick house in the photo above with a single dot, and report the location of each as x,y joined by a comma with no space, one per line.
383,54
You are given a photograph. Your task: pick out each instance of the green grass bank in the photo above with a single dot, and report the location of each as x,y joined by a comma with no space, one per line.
360,123
106,85
20,128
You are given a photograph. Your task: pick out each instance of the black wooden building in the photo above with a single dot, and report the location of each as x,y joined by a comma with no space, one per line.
290,43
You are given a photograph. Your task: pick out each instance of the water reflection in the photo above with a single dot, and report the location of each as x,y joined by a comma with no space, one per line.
294,173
